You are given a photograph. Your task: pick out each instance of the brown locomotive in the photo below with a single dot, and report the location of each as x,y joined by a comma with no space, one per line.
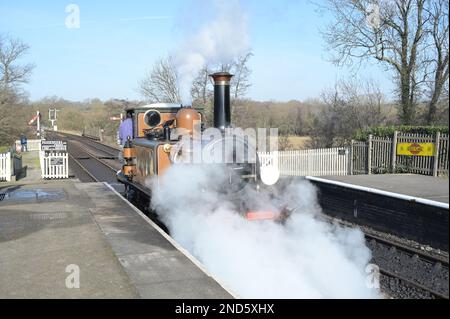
164,135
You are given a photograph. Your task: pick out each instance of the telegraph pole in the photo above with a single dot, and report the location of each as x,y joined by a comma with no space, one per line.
38,124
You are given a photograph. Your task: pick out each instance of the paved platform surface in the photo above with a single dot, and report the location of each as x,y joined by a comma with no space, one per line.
31,167
48,226
427,187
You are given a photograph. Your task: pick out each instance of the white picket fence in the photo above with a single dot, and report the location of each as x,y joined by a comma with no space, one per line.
6,168
54,165
33,145
315,162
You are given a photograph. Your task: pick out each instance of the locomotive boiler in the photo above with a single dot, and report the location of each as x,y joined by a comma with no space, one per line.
170,134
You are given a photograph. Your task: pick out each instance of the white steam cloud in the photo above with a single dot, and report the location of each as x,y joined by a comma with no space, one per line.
223,37
304,258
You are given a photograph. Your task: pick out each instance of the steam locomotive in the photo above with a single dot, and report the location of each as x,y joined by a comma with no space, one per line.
170,134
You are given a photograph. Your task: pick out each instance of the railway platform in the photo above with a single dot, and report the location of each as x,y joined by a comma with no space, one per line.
55,234
410,185
411,206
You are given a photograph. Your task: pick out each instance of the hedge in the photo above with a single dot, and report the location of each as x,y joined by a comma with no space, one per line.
388,131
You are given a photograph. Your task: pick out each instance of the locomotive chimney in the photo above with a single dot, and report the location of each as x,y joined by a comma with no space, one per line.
222,108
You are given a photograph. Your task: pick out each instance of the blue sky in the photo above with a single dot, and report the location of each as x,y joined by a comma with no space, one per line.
118,42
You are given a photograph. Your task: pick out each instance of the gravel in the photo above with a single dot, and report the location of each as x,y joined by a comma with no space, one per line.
410,266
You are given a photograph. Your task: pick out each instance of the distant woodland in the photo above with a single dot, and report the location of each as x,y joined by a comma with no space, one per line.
408,39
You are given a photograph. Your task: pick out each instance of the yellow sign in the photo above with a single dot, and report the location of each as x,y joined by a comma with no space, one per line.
416,149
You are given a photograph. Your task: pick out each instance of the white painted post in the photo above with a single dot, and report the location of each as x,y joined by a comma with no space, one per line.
42,161
8,167
436,155
66,165
394,152
38,124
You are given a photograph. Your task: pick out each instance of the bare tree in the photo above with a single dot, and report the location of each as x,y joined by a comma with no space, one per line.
241,81
395,33
438,17
13,74
349,106
201,87
161,84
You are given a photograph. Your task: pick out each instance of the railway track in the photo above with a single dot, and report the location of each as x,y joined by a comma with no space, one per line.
413,252
406,272
404,284
420,271
110,151
94,161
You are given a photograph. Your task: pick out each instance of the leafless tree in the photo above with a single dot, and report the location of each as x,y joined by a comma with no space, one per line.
161,84
349,106
201,87
438,17
13,74
241,80
395,33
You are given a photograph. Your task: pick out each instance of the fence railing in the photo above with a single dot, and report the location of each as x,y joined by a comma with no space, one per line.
359,158
316,162
54,165
32,145
6,168
93,132
379,155
376,156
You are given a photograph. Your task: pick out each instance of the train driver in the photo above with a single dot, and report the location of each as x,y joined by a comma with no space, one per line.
126,129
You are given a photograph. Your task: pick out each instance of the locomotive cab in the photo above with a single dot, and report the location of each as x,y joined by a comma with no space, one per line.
154,127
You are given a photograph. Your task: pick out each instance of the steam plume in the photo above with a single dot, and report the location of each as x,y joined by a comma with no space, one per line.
222,38
305,258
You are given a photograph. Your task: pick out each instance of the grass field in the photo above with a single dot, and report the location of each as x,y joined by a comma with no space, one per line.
299,142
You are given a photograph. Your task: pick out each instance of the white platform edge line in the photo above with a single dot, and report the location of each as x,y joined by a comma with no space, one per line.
175,244
381,192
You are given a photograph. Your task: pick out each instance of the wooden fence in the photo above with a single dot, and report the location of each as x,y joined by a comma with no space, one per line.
54,165
6,168
379,155
316,162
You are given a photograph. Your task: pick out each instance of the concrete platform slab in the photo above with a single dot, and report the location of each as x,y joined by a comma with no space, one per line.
426,187
412,207
46,227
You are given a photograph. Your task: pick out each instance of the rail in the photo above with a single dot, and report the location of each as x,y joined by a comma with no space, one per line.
82,154
394,244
